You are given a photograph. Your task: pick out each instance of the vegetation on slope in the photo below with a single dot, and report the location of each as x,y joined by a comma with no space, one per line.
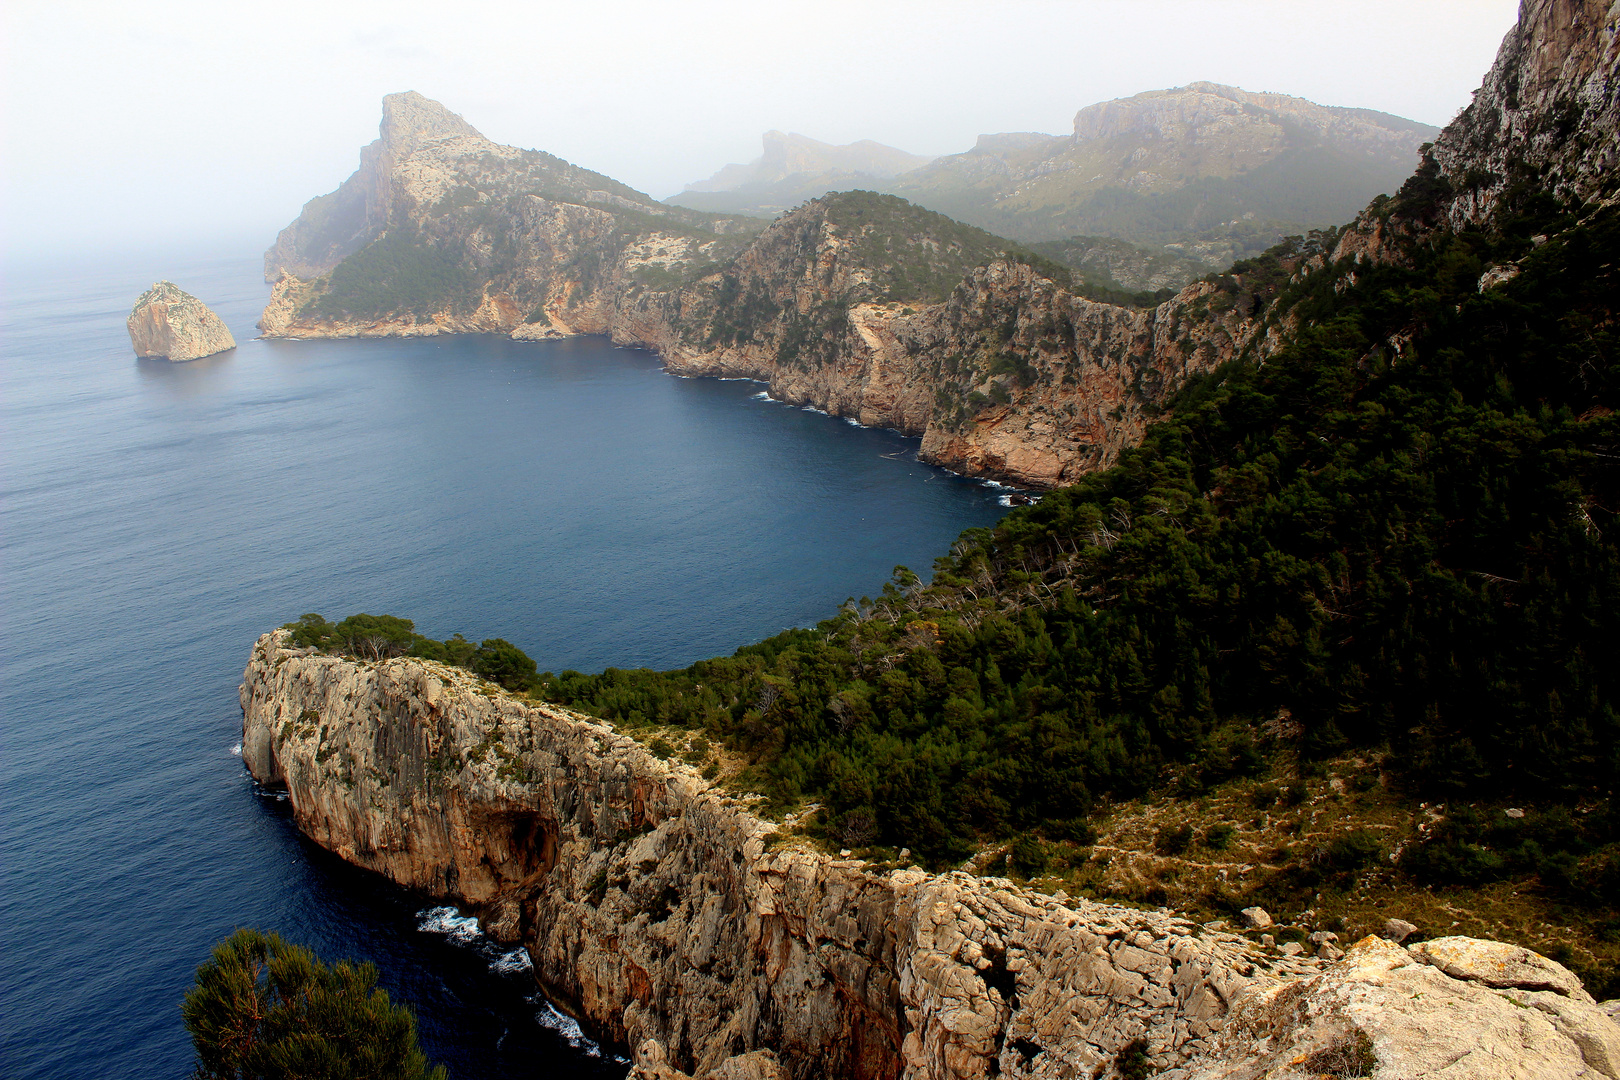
1397,538
379,637
916,255
401,271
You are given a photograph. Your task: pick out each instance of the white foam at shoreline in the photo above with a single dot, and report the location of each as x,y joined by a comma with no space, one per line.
512,963
459,928
549,1016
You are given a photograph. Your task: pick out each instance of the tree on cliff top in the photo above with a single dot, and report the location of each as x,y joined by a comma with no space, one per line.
263,1008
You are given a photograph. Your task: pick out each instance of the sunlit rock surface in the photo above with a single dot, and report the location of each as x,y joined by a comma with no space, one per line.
169,323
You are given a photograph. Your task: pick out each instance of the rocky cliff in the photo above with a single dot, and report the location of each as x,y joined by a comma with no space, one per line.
670,918
1542,126
170,324
1545,117
1012,375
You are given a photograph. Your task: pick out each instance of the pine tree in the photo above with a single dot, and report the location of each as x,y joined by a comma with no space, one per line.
263,1009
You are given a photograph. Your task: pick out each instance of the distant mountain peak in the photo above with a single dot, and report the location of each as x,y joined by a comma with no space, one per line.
788,154
410,119
1203,110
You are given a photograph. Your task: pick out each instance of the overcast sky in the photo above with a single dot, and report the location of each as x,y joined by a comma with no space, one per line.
210,123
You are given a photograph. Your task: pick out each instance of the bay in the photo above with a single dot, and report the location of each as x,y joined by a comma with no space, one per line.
155,518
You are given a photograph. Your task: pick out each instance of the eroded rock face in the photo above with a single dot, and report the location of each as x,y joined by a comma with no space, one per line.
1545,119
169,323
1012,376
1547,113
658,909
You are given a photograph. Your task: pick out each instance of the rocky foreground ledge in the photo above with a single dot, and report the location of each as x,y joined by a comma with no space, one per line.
656,909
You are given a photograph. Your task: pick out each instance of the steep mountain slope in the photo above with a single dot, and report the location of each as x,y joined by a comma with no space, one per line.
847,304
1540,134
1393,546
1117,264
442,230
794,169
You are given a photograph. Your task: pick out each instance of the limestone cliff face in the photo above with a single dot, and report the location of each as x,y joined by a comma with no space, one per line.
659,910
1547,113
169,323
441,230
1012,376
1546,119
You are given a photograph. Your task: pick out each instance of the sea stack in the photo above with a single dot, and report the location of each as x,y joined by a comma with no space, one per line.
169,322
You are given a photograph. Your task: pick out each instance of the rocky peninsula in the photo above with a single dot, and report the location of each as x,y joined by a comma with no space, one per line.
661,911
169,323
858,304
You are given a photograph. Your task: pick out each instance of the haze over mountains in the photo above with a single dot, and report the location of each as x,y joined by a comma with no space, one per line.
795,168
1201,174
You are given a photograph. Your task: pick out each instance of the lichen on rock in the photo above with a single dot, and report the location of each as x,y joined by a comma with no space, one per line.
169,323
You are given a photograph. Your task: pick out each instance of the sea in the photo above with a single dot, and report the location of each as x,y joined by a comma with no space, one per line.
155,518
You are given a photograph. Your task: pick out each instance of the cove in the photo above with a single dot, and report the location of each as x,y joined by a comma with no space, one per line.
155,518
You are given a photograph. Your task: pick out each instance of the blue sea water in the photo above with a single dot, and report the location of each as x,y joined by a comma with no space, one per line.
155,518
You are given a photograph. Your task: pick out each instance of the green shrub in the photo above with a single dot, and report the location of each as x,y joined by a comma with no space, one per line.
500,661
1028,857
1173,840
378,637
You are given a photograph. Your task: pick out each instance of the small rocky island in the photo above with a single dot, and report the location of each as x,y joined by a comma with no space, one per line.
170,323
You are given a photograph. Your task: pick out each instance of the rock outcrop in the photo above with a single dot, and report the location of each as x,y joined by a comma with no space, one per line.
667,916
1544,123
169,323
1546,115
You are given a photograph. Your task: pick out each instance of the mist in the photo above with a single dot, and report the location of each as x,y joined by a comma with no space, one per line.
206,126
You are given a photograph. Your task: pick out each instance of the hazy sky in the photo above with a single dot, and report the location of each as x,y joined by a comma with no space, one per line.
174,122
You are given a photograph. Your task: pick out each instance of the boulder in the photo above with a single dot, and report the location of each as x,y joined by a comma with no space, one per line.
169,323
1398,930
1255,918
652,1063
1381,1012
1498,965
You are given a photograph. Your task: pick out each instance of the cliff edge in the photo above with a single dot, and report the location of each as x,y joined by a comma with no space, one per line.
170,324
670,918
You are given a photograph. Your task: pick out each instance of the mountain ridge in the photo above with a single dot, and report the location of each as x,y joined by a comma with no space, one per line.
1202,171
